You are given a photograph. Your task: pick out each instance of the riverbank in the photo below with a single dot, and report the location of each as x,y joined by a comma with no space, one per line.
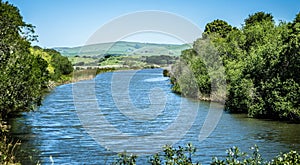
226,98
81,73
167,72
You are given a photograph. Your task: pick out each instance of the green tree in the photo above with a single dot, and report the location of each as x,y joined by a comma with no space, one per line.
199,73
22,75
220,27
262,66
61,64
290,59
258,18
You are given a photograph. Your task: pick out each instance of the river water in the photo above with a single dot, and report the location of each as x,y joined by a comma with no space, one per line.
89,121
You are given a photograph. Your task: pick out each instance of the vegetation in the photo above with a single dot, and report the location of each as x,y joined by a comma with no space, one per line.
184,156
25,72
58,66
138,61
22,75
236,157
173,156
261,62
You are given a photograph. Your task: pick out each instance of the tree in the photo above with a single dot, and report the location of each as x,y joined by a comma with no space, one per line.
61,64
199,73
11,24
258,18
290,60
219,27
22,75
262,65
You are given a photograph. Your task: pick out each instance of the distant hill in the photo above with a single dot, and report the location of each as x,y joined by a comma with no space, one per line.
123,48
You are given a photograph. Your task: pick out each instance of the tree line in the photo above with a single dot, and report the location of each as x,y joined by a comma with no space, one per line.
25,72
261,65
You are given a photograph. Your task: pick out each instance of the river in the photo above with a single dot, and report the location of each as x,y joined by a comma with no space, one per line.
89,121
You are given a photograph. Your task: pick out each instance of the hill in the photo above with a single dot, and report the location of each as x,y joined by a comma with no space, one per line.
134,54
123,48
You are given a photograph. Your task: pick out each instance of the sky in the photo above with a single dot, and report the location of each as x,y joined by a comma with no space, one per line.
70,23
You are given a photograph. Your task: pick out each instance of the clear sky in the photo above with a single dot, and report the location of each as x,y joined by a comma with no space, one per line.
71,22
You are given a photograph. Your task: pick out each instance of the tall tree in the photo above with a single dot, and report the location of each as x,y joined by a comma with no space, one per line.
22,75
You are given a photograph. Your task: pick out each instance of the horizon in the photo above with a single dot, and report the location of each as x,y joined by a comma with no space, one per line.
119,41
64,24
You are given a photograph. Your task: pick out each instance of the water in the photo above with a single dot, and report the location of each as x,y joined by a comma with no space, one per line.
87,122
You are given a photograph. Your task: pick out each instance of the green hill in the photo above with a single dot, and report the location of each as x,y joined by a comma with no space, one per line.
123,53
123,48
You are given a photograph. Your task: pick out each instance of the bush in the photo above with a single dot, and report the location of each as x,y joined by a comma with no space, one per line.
291,157
183,156
125,159
175,156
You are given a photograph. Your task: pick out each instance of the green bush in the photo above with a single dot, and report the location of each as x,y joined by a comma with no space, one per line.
174,156
125,159
291,157
184,156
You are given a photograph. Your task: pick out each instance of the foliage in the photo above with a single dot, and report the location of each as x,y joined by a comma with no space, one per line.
136,61
240,96
183,78
175,156
38,52
61,64
258,18
25,72
7,146
281,98
291,157
184,156
220,27
125,159
262,66
199,73
58,65
23,76
113,60
236,157
269,65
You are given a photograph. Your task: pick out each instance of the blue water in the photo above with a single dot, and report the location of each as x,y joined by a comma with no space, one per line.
89,121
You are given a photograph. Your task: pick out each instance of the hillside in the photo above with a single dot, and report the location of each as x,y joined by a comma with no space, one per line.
123,48
123,53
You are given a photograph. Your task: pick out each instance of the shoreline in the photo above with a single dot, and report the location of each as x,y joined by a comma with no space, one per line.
167,72
88,74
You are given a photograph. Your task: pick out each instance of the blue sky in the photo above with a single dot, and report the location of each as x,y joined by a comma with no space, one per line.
71,22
